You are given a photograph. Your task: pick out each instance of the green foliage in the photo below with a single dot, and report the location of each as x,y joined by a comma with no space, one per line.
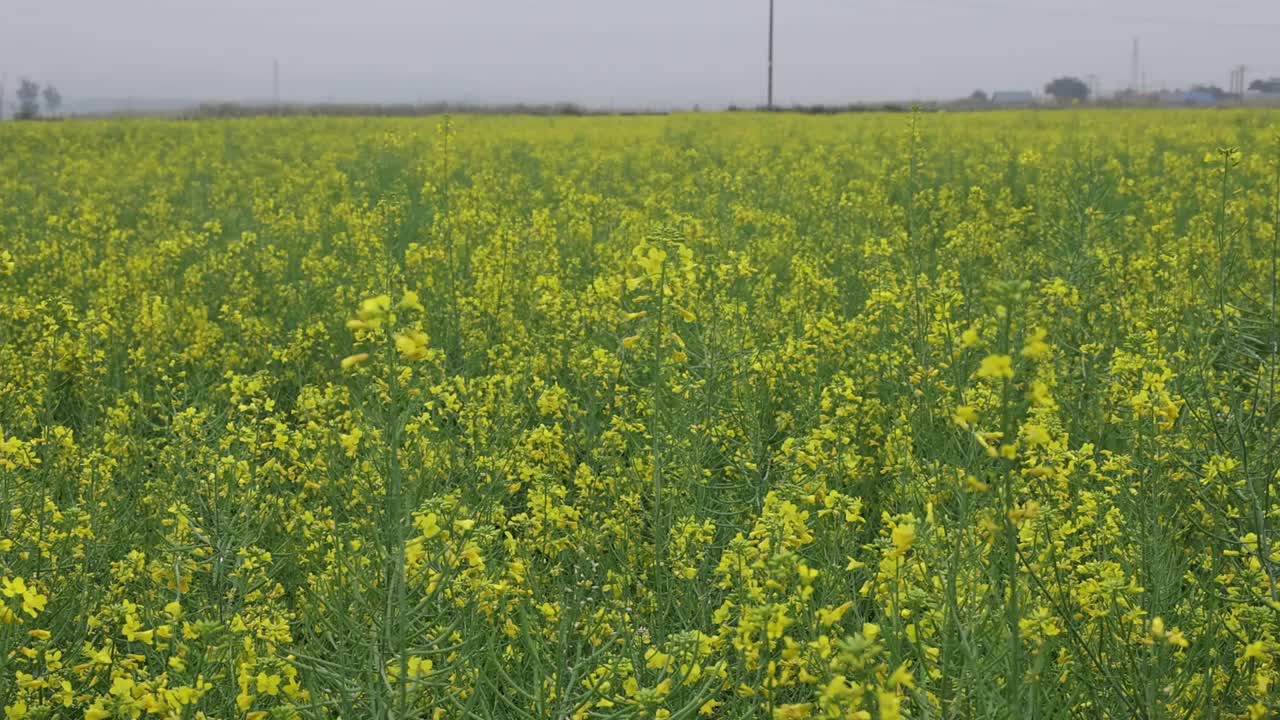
716,415
1067,89
28,100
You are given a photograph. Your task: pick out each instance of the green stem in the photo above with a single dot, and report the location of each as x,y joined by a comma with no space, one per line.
655,435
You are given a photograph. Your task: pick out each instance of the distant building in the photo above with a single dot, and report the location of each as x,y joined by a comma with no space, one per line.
1262,99
1185,98
1199,98
1012,98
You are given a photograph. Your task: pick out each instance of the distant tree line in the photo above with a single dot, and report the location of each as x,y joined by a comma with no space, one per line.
1266,86
231,109
29,96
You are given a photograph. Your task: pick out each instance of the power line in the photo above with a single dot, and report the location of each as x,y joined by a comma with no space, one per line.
1089,15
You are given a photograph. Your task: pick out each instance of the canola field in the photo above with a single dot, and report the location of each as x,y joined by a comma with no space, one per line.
701,416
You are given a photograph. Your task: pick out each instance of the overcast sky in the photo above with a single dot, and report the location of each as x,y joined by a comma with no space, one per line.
657,53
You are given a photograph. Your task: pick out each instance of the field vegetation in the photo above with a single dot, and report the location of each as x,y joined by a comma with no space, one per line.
728,416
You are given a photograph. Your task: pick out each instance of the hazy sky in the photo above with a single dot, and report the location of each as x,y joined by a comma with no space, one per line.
621,54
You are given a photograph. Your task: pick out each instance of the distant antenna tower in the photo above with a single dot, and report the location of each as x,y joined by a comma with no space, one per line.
4,80
1135,68
275,82
770,97
1237,80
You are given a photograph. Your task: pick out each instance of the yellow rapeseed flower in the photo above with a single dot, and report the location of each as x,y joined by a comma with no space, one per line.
353,360
412,345
996,367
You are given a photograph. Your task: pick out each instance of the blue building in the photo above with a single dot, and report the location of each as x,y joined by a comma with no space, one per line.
1199,98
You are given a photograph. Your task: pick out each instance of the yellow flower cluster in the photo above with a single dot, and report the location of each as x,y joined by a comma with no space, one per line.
724,416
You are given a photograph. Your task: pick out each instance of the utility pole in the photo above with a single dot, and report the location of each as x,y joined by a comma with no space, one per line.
275,83
770,101
1135,68
4,80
